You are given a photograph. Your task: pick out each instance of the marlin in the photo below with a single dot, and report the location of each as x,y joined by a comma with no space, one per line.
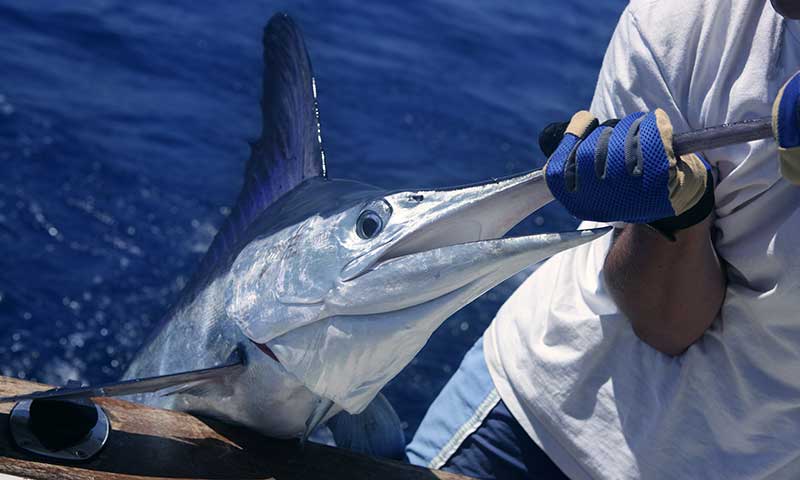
322,290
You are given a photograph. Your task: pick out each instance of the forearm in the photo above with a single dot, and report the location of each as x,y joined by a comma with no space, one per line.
670,291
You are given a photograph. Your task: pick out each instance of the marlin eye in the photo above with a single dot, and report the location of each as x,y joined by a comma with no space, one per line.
369,224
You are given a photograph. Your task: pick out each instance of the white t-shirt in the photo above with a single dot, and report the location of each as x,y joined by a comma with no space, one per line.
599,401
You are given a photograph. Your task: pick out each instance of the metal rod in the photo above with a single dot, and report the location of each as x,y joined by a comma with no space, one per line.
722,135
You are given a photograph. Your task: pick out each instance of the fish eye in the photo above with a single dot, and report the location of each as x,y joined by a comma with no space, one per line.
369,224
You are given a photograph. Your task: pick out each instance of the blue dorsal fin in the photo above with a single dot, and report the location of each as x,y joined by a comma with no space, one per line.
289,149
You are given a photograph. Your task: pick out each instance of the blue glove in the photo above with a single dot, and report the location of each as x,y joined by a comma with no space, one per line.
628,172
786,127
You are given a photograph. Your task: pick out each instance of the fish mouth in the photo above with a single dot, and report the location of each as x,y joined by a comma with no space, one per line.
452,238
429,219
401,282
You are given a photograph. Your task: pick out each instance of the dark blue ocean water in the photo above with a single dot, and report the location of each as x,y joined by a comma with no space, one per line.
124,128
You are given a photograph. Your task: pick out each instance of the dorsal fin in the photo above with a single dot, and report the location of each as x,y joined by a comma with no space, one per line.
289,149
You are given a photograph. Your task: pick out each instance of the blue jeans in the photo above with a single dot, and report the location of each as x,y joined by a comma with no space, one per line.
469,430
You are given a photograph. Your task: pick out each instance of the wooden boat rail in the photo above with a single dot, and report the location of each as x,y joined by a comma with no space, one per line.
149,443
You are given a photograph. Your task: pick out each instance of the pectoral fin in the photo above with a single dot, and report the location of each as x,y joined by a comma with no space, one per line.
189,379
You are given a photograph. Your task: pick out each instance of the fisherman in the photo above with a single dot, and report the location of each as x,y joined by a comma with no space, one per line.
670,349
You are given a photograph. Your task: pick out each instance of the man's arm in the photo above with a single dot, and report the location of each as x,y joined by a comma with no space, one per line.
670,291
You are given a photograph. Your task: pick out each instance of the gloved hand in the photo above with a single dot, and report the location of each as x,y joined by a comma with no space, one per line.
786,127
626,171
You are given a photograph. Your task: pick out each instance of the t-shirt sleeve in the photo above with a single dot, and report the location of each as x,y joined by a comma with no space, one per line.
631,78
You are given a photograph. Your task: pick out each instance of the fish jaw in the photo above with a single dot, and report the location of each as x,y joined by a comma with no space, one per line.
427,219
416,278
349,357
